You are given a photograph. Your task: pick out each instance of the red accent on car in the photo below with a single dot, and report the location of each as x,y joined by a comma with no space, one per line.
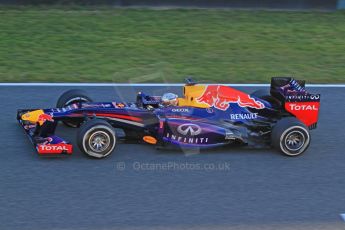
54,148
127,117
307,112
45,117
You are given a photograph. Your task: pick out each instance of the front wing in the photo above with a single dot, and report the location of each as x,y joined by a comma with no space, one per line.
43,138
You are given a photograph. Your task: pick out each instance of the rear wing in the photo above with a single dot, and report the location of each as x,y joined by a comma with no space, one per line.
296,100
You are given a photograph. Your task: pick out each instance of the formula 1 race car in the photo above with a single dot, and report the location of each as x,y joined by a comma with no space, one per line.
206,116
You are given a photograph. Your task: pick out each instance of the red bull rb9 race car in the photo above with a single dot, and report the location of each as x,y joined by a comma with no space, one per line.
206,116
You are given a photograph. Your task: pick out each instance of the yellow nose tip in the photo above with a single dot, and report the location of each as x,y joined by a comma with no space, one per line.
32,116
26,116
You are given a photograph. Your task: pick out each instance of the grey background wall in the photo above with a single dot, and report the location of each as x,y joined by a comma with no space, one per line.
274,4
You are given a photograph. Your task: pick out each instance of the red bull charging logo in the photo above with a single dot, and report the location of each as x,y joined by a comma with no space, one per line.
44,117
220,97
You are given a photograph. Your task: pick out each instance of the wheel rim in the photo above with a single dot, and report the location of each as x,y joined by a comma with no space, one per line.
294,140
99,141
99,131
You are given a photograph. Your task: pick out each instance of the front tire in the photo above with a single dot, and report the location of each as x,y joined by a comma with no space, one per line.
290,136
96,138
71,97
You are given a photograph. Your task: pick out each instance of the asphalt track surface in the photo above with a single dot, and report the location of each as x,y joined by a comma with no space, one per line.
256,189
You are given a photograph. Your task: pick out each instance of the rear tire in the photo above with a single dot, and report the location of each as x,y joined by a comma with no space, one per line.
71,97
290,136
96,138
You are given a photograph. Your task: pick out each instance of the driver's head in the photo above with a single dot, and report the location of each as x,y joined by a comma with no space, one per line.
169,99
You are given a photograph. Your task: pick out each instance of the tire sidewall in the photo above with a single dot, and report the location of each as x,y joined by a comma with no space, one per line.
73,95
282,129
69,97
284,135
91,127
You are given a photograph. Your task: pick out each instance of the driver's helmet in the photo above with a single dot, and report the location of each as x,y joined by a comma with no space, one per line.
169,99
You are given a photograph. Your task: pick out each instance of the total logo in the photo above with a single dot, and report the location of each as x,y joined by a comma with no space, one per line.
55,148
295,107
